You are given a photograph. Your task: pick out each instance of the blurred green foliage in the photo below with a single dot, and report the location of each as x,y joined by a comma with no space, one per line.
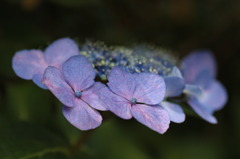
31,123
22,140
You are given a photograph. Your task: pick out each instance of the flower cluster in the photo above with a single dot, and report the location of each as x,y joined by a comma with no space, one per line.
142,82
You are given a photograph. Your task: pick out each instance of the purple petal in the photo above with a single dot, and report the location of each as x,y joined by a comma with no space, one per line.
54,80
91,96
204,79
154,117
174,86
37,79
122,82
150,88
203,111
215,96
116,104
199,62
175,112
27,63
79,73
59,51
82,116
193,90
176,73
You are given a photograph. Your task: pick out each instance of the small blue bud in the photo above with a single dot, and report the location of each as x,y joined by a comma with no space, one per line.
78,94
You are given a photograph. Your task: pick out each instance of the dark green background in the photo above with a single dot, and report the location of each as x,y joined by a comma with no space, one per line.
31,123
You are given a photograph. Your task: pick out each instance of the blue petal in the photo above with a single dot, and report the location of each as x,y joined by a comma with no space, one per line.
175,112
193,90
27,63
144,87
121,82
198,62
204,79
59,51
176,73
91,96
116,104
37,79
215,96
82,116
174,86
150,88
154,117
79,73
55,82
202,110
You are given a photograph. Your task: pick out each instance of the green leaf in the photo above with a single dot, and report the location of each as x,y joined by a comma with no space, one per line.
110,139
27,102
191,147
26,141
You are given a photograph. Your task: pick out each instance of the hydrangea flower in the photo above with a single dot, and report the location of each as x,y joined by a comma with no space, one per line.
75,87
205,93
137,60
137,95
142,82
31,64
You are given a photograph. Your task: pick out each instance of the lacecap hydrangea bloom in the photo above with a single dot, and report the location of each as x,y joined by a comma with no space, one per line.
142,82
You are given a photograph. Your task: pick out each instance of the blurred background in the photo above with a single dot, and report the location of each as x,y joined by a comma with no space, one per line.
31,123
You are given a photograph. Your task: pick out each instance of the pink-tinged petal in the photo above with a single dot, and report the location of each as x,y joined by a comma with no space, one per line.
27,63
215,96
122,82
154,117
198,62
79,73
92,96
55,82
203,111
175,112
37,79
59,51
150,88
116,104
82,116
174,86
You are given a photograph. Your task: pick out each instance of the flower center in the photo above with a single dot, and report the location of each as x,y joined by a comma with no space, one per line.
78,94
135,60
133,101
